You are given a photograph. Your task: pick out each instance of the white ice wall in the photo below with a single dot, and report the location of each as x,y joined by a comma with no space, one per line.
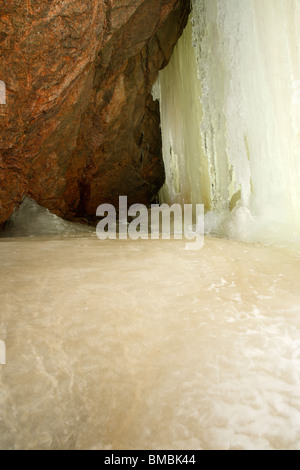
230,109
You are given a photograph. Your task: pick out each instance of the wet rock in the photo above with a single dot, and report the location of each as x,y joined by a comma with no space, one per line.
79,126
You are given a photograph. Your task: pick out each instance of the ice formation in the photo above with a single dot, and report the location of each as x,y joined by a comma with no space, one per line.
142,345
31,219
230,112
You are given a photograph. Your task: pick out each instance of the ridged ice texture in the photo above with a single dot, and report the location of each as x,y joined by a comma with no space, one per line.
230,106
144,345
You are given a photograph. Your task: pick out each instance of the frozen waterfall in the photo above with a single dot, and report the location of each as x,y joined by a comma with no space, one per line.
141,344
230,112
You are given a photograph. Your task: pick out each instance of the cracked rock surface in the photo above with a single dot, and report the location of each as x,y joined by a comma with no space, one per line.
79,127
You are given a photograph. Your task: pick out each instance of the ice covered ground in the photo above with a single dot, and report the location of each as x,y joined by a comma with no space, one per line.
144,345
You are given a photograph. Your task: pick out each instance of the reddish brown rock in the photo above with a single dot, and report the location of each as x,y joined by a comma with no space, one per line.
80,127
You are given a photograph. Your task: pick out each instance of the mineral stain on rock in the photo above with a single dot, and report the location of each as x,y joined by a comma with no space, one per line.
78,77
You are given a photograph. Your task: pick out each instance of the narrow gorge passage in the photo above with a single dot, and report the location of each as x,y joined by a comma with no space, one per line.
123,344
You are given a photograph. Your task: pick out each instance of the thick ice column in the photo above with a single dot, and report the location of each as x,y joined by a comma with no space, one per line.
258,43
230,105
179,92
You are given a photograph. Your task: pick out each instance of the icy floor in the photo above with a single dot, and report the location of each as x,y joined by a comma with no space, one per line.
144,345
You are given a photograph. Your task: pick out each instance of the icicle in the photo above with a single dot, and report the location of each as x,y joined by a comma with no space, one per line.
230,112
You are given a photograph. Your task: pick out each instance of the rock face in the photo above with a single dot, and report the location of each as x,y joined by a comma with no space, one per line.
79,126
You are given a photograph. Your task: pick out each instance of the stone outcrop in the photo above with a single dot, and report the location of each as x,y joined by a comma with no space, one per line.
79,126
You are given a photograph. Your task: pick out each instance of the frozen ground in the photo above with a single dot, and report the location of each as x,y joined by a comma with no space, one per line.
144,345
